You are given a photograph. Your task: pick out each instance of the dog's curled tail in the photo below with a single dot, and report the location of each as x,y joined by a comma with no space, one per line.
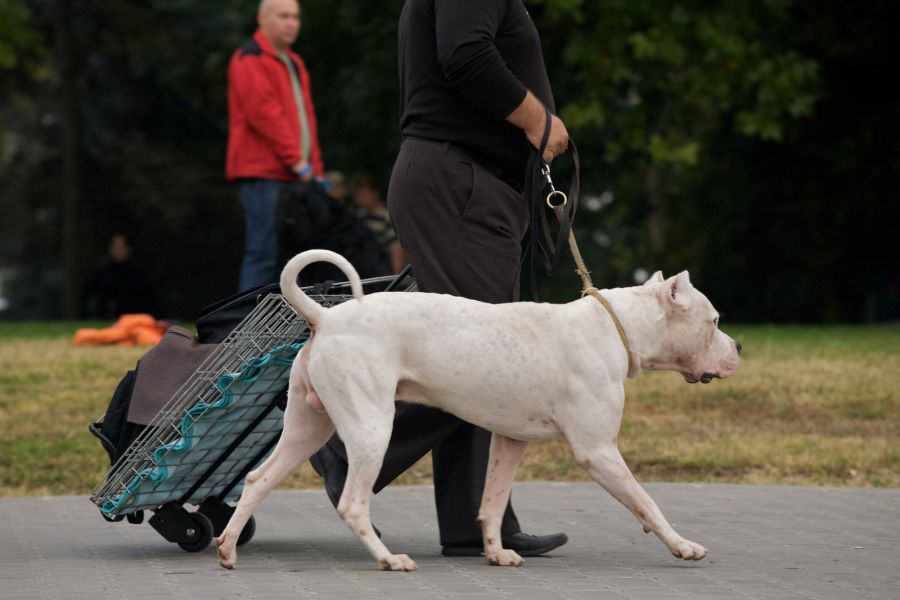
306,306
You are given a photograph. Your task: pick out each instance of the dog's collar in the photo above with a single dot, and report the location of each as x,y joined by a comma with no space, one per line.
632,370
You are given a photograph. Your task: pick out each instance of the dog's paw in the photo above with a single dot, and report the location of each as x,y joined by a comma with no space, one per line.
398,562
504,558
688,550
227,553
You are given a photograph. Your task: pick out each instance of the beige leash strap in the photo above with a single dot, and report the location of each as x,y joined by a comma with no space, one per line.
589,288
596,294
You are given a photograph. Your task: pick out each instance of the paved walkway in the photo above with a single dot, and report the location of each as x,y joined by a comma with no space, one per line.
765,542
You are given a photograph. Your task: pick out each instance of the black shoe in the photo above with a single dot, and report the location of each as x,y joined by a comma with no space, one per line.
524,544
333,470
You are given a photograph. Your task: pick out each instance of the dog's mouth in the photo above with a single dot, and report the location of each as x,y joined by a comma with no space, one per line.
704,377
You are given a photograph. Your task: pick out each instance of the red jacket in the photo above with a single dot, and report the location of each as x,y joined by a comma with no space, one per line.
263,124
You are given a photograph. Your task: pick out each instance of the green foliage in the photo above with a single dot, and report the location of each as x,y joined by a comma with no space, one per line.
664,151
782,93
699,120
351,50
742,140
16,37
670,76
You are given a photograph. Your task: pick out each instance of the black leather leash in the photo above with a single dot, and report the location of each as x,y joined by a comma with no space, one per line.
563,205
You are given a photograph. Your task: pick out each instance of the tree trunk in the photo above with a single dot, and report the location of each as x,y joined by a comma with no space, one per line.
67,64
656,218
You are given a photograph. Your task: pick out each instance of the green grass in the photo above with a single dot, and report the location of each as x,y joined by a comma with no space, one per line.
809,406
25,330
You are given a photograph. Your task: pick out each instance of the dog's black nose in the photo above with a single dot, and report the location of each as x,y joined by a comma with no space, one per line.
738,346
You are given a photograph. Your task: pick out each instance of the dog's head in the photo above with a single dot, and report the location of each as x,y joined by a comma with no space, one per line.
690,341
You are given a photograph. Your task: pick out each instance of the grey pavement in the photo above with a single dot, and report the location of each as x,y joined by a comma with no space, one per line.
765,542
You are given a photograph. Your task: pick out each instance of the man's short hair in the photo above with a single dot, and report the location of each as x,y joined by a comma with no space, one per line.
263,5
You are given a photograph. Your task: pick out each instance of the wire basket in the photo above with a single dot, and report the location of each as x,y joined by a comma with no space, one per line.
221,423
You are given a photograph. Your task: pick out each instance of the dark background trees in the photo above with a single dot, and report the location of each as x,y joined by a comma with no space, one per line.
754,143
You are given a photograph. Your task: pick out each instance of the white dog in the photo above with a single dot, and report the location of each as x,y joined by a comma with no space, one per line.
524,371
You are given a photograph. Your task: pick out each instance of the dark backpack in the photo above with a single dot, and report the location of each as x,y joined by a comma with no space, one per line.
113,430
309,218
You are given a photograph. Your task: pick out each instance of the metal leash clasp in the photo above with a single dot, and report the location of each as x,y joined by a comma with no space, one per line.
555,198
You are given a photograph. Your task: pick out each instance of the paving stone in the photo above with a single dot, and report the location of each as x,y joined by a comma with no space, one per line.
765,542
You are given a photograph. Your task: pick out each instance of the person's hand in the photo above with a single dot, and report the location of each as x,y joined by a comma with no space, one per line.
557,143
303,170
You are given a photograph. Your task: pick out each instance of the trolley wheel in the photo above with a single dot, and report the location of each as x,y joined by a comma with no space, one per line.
200,534
114,519
247,532
135,518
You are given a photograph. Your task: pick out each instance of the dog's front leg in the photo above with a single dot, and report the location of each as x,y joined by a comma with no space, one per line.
505,455
607,467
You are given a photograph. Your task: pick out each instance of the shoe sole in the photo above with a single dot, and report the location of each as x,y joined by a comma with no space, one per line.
456,551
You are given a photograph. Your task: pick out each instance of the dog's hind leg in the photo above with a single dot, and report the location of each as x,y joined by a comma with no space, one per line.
305,431
505,455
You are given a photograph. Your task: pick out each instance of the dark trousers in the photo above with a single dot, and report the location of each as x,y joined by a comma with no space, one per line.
462,228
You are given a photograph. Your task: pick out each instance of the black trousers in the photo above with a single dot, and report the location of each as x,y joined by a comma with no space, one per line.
462,229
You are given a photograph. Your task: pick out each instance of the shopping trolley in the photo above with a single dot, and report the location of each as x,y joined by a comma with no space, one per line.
222,422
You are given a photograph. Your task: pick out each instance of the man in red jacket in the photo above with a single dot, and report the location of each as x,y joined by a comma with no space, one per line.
272,137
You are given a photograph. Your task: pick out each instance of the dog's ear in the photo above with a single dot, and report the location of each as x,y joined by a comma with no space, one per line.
655,278
677,290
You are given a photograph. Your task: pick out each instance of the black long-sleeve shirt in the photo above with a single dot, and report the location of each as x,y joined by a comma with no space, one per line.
465,65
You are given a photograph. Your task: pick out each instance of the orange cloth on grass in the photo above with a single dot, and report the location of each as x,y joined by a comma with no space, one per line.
129,330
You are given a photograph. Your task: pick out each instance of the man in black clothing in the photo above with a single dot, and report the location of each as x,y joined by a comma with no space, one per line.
473,92
118,287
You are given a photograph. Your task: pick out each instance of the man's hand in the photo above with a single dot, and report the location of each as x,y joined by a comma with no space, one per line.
303,170
530,116
557,143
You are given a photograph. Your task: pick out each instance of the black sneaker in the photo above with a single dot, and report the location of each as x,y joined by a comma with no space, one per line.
524,544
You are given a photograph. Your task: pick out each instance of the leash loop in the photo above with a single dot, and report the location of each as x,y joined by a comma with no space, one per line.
556,199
